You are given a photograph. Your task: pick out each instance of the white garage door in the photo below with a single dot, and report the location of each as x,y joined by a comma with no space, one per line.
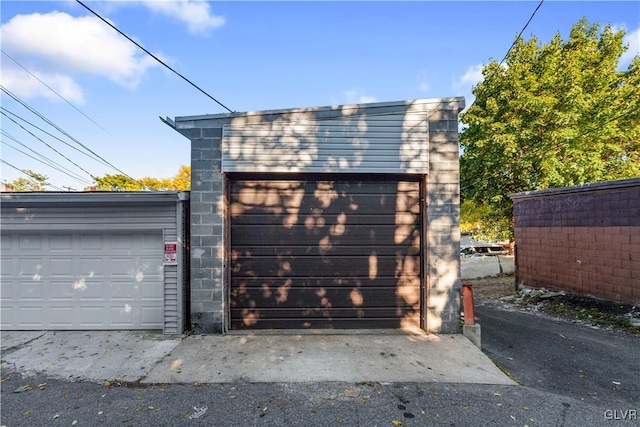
55,281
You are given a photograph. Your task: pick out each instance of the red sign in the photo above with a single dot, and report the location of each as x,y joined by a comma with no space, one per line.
170,253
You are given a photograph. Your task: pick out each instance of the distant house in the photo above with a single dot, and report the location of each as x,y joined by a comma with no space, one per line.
326,217
583,239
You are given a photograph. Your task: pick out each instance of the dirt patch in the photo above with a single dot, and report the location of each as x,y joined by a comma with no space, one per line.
575,308
492,287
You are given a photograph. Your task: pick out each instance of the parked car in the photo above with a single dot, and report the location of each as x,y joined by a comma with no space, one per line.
482,250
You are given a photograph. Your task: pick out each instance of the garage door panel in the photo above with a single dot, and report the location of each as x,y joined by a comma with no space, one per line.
294,217
91,242
61,316
102,275
316,323
249,251
320,318
60,242
60,266
31,290
239,284
32,268
150,315
329,266
30,242
349,297
248,235
345,254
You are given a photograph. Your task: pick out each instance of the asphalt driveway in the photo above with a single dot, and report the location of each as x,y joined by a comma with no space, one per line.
590,364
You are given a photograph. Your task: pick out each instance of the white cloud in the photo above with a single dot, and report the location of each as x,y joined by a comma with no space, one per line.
72,45
196,14
424,86
471,77
356,96
24,85
633,40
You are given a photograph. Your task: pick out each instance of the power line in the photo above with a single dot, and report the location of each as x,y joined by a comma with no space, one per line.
46,163
515,41
53,90
53,136
153,56
49,122
29,175
41,140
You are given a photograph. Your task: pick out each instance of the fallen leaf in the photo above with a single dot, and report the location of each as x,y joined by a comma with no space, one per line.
397,422
526,408
138,409
100,412
56,416
512,417
8,378
466,408
26,413
351,393
616,382
196,384
74,422
23,388
107,384
497,394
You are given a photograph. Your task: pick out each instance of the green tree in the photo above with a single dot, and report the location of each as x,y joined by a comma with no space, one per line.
557,114
34,182
181,181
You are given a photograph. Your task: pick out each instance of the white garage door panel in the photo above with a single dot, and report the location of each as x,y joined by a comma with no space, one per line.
82,281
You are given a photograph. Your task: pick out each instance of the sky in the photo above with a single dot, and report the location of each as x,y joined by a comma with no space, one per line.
82,96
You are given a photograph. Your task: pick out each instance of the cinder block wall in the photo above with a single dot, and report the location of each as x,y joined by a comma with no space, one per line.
207,231
584,240
443,223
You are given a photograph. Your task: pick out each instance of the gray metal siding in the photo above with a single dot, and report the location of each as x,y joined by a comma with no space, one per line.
387,143
96,212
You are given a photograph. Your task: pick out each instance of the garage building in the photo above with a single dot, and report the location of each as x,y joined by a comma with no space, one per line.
93,261
335,217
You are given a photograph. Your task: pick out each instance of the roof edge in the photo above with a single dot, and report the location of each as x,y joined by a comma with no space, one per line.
457,100
91,197
583,188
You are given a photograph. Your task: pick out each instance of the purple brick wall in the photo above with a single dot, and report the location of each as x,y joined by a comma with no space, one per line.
584,240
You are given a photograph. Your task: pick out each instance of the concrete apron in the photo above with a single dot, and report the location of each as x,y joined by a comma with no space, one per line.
289,356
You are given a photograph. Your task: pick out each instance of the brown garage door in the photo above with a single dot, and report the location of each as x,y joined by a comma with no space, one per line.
325,254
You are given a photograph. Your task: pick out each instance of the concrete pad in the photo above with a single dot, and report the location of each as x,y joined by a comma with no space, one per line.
15,339
291,357
85,356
